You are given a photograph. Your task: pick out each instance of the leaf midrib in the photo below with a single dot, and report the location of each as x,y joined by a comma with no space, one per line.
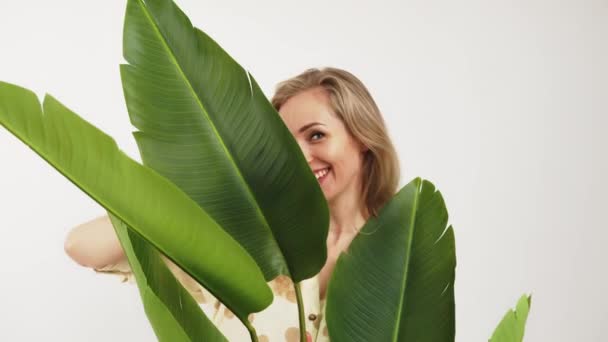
408,259
227,152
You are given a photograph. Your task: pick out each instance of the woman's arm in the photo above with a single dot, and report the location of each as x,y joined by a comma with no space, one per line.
94,244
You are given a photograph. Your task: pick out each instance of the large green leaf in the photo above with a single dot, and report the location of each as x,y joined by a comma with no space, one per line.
396,282
145,201
175,316
513,324
205,124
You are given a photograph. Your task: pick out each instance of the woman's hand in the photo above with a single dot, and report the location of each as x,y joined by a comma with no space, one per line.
94,244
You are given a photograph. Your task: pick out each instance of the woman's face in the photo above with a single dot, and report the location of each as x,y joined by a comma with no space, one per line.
334,156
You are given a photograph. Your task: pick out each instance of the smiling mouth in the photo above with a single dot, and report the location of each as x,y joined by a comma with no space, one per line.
321,174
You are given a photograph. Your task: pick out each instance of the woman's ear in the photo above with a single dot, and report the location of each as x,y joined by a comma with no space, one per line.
365,153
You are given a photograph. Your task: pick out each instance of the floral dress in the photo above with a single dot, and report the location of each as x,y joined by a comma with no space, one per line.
278,322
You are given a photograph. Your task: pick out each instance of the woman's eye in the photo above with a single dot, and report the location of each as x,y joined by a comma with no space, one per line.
316,134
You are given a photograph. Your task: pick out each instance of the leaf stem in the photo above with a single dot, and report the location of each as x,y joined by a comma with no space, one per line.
252,333
300,312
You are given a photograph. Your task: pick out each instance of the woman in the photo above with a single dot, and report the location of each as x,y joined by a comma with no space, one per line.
341,132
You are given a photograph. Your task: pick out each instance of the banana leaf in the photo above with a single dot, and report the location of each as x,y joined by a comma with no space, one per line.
174,315
396,281
145,201
512,326
205,124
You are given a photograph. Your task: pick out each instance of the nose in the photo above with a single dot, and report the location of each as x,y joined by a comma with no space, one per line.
306,152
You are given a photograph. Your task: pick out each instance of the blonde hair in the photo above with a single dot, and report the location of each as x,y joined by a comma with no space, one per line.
354,105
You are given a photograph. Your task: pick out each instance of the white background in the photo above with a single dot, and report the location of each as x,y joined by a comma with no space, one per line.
502,105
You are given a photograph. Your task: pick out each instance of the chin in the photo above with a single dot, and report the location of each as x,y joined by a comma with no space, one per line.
328,197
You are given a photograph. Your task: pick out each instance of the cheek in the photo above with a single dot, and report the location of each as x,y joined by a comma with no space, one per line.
351,162
344,160
330,154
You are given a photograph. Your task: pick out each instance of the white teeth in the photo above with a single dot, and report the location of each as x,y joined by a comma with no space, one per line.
321,173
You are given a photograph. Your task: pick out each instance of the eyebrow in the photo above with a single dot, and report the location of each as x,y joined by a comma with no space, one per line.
307,126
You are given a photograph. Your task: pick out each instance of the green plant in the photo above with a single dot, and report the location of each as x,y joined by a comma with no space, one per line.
513,324
225,187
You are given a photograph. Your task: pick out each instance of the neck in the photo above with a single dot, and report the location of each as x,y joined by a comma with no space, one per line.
347,216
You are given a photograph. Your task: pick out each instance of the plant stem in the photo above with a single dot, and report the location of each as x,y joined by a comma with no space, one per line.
300,312
252,333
